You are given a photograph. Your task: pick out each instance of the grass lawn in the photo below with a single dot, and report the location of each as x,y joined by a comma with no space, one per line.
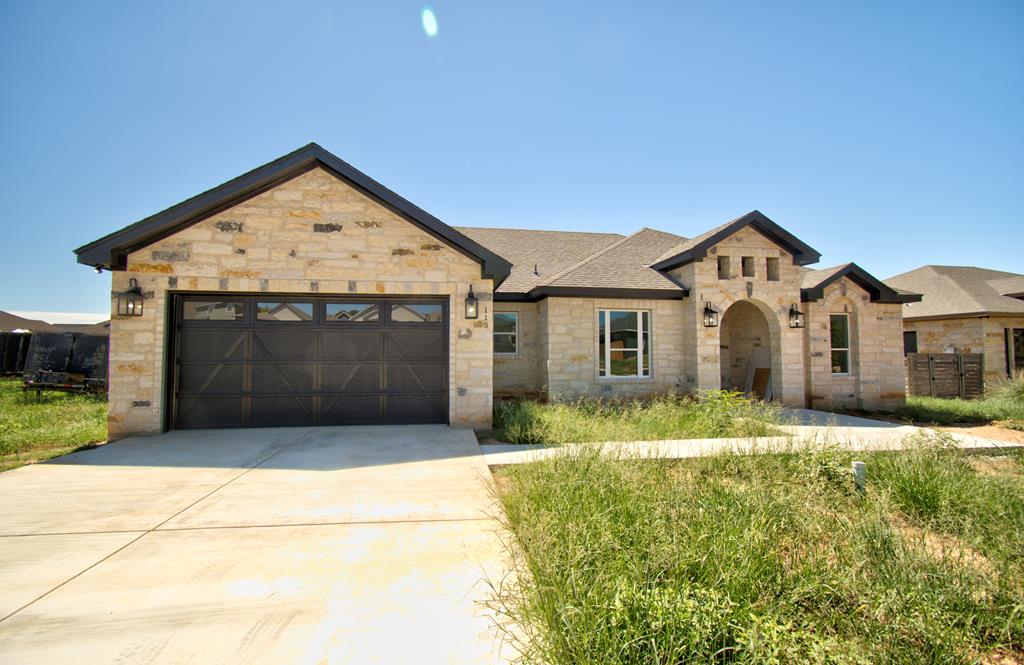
767,558
711,415
940,411
61,423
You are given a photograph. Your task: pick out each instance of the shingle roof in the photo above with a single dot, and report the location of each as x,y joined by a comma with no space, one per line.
550,251
624,264
960,290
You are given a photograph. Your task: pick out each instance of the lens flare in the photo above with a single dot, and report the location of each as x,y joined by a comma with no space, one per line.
429,21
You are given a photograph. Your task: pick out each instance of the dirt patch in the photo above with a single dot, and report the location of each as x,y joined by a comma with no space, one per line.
998,467
988,431
943,547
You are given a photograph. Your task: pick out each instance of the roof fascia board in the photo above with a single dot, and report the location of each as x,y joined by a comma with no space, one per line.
877,290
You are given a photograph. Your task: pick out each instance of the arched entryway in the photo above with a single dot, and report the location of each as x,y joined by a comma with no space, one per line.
748,363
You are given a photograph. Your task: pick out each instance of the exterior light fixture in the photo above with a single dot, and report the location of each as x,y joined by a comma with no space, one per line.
710,316
129,303
472,304
98,269
796,317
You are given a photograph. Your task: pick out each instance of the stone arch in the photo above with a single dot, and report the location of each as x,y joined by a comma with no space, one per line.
749,338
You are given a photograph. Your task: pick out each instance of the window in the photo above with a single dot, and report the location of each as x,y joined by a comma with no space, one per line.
284,311
771,265
839,328
909,341
1014,351
624,347
506,332
356,312
747,265
213,310
417,313
723,267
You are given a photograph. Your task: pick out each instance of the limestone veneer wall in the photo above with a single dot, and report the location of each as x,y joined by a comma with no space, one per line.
569,348
877,377
519,374
968,335
310,235
702,346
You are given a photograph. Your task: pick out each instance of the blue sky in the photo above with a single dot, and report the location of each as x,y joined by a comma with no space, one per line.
887,133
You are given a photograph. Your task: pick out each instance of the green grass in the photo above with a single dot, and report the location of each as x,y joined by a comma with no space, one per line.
766,558
60,423
710,415
1004,404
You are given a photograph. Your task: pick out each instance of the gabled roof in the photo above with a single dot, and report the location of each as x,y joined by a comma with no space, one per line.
111,250
813,283
625,264
952,291
537,256
697,248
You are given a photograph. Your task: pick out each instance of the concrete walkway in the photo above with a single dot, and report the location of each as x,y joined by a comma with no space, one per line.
339,545
810,428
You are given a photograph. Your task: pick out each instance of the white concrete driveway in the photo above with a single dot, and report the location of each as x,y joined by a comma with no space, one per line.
290,545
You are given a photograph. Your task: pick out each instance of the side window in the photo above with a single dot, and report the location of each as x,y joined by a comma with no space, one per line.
506,333
839,330
909,341
771,265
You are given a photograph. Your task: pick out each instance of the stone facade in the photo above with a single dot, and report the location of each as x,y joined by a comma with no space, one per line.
980,334
876,378
754,331
568,366
311,234
518,374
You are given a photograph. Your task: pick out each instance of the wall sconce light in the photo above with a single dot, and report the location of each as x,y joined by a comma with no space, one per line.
796,317
472,304
710,316
129,303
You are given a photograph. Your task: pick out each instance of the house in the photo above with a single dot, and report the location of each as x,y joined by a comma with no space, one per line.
968,310
12,322
304,292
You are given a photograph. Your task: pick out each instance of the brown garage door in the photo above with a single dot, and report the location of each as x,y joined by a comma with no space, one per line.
264,361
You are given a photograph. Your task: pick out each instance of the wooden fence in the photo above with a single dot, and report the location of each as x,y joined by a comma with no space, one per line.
946,374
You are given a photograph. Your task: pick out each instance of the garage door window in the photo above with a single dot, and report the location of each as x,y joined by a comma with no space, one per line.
213,310
416,313
355,312
284,311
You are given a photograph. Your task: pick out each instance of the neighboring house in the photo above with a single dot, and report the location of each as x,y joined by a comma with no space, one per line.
11,322
968,310
101,328
304,292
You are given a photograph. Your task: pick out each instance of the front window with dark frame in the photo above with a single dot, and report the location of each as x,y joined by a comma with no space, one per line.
624,348
839,333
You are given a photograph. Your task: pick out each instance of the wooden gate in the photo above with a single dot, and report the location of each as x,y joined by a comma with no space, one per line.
946,374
